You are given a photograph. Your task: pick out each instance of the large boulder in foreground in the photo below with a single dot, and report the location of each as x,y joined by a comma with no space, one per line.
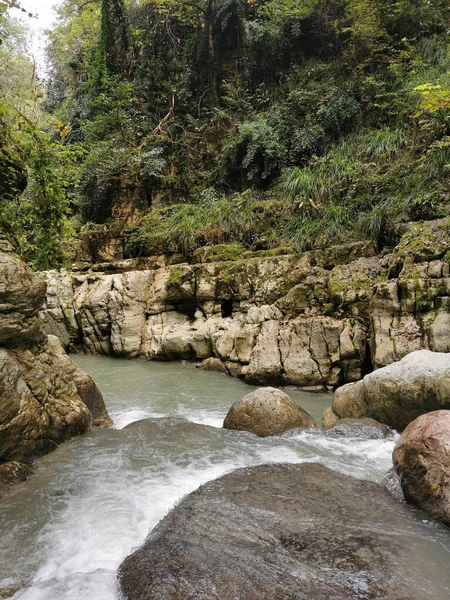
422,460
288,531
267,411
399,393
40,405
45,398
85,386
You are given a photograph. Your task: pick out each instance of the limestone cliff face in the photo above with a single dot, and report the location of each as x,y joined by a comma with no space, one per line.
44,397
325,317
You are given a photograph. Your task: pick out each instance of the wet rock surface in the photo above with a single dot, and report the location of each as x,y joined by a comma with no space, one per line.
287,531
44,397
40,407
267,411
369,428
422,460
399,393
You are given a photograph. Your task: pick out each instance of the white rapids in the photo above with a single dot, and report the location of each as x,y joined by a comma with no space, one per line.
92,501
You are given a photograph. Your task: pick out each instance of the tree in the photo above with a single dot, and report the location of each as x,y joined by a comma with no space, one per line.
116,52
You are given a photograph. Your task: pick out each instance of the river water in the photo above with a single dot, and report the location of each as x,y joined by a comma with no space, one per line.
66,530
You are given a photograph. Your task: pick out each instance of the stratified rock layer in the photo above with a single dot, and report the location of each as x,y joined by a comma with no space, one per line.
44,397
267,411
322,318
399,393
422,460
287,531
21,297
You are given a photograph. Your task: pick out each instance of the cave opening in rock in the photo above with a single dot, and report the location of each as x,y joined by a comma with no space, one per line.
227,308
188,308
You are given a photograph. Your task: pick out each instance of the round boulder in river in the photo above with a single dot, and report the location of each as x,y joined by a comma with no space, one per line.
397,394
422,460
300,532
267,411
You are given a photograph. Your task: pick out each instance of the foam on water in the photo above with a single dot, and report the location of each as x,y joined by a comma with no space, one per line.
95,498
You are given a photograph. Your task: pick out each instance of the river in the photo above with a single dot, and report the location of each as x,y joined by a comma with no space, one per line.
66,530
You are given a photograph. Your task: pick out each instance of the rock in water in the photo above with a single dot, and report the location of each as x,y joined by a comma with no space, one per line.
297,532
85,385
267,411
422,460
399,393
44,397
368,428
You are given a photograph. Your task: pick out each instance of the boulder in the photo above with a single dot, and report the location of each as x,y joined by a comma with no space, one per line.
267,411
329,418
283,532
422,460
399,393
86,388
213,364
39,407
368,428
45,398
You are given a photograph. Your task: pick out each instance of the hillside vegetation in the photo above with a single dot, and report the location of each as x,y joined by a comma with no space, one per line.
275,124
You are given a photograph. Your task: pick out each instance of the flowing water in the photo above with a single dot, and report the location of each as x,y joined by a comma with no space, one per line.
66,530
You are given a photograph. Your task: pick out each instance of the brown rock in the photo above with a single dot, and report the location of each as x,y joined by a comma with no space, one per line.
39,404
21,296
329,418
422,460
86,388
213,364
267,411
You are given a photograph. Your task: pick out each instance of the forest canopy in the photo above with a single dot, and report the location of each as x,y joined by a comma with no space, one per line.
268,123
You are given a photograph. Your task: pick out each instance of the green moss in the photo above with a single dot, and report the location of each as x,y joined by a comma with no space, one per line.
424,242
176,277
283,251
218,253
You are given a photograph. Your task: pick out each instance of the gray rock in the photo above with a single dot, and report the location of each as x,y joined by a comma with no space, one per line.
301,532
368,428
399,393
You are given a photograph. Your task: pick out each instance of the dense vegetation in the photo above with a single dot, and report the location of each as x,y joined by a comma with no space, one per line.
288,123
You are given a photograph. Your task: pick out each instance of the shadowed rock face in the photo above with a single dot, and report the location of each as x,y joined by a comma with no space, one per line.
267,411
297,532
422,460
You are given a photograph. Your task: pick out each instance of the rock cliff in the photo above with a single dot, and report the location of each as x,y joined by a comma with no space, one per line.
324,317
44,397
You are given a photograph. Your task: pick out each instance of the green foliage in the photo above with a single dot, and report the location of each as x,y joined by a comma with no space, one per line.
107,169
41,217
261,123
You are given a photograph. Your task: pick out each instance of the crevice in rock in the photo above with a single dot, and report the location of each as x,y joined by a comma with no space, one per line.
367,365
226,307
